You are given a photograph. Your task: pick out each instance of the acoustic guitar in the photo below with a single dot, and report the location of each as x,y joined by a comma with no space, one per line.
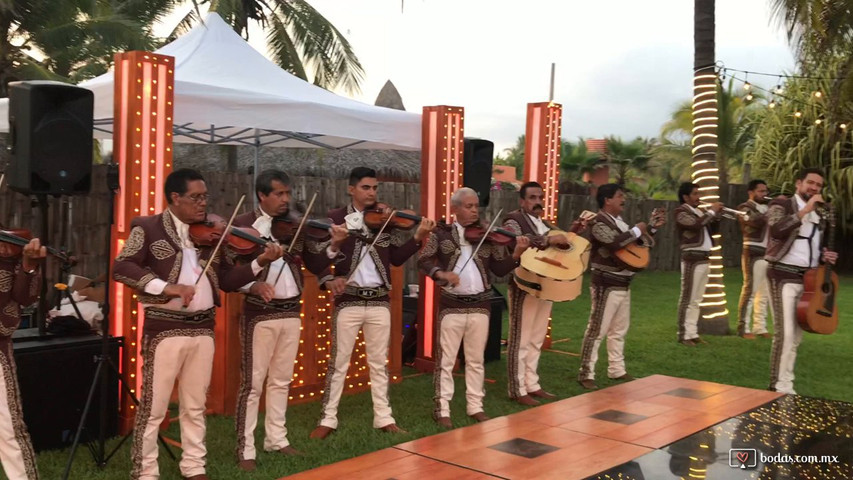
555,273
817,311
636,255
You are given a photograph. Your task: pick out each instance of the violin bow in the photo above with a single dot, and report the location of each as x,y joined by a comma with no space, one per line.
367,250
2,177
474,253
221,239
296,235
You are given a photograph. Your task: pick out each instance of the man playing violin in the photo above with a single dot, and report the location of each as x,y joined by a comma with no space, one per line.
755,294
528,315
795,231
694,229
610,285
161,263
270,326
20,281
361,284
452,259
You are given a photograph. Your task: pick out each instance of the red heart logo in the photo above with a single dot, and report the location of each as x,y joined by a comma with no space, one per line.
742,456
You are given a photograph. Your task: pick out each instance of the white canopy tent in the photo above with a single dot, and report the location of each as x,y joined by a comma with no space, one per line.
227,93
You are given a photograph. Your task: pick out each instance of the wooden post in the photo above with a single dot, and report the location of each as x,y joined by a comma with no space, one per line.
441,174
542,160
142,147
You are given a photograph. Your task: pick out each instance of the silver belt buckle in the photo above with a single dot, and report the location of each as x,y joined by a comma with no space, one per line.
367,293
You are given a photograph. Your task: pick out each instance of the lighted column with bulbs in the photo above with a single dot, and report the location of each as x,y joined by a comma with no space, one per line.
442,151
705,173
542,160
142,147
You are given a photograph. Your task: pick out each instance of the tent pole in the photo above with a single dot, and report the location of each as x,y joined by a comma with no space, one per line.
255,169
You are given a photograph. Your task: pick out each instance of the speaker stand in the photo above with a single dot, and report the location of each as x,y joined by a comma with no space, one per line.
41,315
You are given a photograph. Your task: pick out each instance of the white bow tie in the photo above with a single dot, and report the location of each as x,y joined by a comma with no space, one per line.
355,221
263,225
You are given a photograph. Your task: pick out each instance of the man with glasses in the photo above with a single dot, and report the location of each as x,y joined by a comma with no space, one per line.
164,267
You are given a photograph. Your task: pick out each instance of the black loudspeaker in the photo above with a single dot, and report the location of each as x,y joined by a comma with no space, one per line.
54,375
50,138
477,172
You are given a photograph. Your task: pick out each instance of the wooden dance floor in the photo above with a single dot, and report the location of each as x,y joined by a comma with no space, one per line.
653,427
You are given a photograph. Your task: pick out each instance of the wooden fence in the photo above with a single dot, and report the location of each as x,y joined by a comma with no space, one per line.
81,223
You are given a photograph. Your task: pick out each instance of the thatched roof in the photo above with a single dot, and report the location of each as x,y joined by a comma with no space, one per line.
389,97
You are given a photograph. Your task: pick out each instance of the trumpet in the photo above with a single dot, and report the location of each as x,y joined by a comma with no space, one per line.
726,210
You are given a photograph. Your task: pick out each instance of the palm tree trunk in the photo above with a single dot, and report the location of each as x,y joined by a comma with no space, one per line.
706,174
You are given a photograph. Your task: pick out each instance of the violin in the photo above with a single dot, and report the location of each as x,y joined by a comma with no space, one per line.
498,236
284,227
243,240
379,213
17,239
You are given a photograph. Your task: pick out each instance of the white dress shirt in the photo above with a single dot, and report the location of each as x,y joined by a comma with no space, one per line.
367,274
286,286
805,251
470,280
541,228
190,271
623,227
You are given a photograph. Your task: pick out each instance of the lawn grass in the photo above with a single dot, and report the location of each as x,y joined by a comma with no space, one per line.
651,348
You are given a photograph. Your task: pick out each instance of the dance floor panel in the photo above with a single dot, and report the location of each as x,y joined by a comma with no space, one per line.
653,427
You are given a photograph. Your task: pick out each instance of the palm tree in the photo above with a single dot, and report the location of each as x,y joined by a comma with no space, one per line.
786,143
513,157
735,128
628,157
818,30
705,170
299,38
66,40
576,160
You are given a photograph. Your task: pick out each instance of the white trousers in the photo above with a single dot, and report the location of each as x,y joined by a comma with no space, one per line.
527,331
16,451
375,321
473,328
787,336
692,289
189,360
610,317
269,354
755,297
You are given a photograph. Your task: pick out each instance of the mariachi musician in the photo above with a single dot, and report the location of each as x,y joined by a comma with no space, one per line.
361,284
794,246
20,280
271,324
528,315
179,292
461,264
610,286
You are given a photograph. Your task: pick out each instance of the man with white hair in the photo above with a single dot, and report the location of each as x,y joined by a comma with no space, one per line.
455,262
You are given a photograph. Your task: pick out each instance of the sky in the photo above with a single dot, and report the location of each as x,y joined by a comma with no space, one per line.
622,66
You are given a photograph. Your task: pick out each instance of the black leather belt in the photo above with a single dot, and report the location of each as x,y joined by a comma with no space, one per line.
281,304
366,293
476,298
695,255
180,316
784,267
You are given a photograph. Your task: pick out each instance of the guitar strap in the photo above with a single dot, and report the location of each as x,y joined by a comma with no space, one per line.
809,239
